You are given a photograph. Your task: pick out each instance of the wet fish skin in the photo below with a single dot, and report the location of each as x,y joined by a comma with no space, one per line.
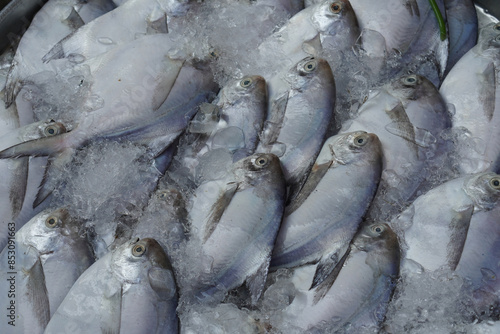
50,256
479,262
131,289
463,29
239,231
321,221
476,104
299,118
436,224
408,116
356,294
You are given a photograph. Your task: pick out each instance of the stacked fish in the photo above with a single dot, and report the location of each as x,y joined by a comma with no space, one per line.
263,166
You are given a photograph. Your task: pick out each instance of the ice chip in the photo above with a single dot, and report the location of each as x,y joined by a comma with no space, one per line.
231,138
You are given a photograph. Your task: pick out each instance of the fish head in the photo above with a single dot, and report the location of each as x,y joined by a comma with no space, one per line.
483,189
133,260
333,17
253,169
412,87
50,230
489,38
376,237
248,86
308,71
353,147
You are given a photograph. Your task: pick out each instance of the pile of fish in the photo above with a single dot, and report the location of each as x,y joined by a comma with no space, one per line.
252,166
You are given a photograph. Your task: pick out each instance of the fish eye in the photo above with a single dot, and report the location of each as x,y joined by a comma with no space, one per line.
51,221
495,183
53,129
336,7
410,80
261,161
361,140
138,250
497,27
310,66
245,82
378,228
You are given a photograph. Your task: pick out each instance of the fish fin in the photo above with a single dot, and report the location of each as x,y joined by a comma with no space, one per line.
256,281
162,281
402,126
74,21
324,268
18,190
37,293
412,7
157,25
487,96
38,147
218,209
57,51
112,306
315,176
52,176
12,85
312,46
327,282
459,227
272,126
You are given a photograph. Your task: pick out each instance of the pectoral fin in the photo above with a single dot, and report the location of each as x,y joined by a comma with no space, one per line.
459,227
326,275
218,209
255,282
37,293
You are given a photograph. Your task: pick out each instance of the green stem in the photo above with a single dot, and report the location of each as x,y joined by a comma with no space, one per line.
442,25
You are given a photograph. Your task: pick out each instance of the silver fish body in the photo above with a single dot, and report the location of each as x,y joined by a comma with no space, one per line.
408,116
436,224
50,256
299,118
356,294
320,222
238,231
476,118
129,290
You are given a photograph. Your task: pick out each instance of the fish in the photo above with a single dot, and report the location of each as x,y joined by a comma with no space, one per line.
478,263
39,37
232,122
131,289
320,222
44,259
299,118
325,30
356,294
408,115
106,32
476,104
462,29
435,226
238,231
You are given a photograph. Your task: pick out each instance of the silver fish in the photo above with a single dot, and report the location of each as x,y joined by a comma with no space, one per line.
435,226
320,222
479,262
408,116
298,119
356,294
38,40
131,289
476,103
105,33
238,230
49,256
